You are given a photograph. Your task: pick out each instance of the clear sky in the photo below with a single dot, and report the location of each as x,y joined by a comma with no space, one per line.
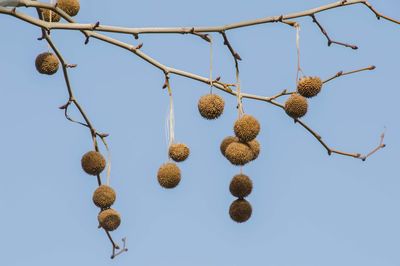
309,209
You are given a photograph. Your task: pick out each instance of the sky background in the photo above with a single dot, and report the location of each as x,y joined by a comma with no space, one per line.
309,209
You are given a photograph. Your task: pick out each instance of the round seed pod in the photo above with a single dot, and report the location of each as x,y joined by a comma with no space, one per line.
309,86
169,175
246,128
71,7
93,163
104,196
225,143
296,106
211,106
240,210
179,152
46,63
255,148
238,153
241,186
109,219
46,13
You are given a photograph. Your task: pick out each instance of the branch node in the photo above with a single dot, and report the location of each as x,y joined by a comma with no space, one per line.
97,24
135,35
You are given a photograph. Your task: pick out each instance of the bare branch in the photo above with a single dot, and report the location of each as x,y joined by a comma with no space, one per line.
330,41
341,73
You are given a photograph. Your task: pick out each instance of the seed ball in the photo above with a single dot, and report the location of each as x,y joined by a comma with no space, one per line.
255,148
211,106
225,143
46,63
296,106
71,7
46,15
104,197
309,86
109,219
241,186
246,128
93,163
238,153
240,210
179,152
169,175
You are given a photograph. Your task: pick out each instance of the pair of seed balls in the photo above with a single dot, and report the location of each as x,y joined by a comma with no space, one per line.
71,7
240,187
296,106
169,174
242,148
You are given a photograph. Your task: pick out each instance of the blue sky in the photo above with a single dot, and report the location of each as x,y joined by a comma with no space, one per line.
308,208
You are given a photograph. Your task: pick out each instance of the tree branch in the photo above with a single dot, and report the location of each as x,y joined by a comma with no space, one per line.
330,41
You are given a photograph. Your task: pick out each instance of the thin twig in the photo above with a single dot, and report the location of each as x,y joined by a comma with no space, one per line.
341,73
330,41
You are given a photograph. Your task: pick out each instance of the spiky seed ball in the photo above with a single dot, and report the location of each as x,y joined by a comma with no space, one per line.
240,210
296,106
109,219
104,196
246,128
46,15
211,106
47,63
238,153
241,186
255,148
93,163
225,143
71,7
179,152
309,86
169,175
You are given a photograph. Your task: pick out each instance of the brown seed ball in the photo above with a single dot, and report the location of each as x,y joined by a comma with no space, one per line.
309,86
109,219
46,15
240,210
71,7
104,197
246,128
238,153
296,106
93,163
255,148
211,106
241,186
47,63
169,175
225,143
179,152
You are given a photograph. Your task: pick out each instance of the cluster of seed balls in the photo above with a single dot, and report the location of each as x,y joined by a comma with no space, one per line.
240,150
47,63
296,105
169,174
93,163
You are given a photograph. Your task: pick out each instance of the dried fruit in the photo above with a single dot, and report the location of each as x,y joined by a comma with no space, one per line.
241,186
309,86
296,106
71,7
238,153
47,63
109,219
246,128
225,143
93,163
46,13
211,106
169,175
255,148
240,210
179,152
104,196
